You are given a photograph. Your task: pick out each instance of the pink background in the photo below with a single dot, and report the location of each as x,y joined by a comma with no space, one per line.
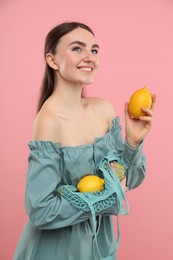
136,39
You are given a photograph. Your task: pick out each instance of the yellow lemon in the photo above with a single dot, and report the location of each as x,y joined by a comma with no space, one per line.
90,183
119,170
140,98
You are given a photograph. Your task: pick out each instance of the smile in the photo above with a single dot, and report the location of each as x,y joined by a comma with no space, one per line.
85,68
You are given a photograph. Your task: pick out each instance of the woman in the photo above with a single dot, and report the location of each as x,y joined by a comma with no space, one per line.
71,135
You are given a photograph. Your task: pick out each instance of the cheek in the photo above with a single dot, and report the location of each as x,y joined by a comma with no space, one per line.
97,63
69,61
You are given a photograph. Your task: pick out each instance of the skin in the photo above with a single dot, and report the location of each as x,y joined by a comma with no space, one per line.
67,118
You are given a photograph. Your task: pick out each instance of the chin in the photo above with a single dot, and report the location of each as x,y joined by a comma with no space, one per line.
88,82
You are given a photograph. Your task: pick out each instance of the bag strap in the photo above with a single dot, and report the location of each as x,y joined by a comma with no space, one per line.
113,182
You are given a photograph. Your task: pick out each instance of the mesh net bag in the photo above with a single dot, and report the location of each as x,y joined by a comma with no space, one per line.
111,194
100,200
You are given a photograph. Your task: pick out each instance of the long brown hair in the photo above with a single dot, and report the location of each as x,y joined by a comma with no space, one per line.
51,41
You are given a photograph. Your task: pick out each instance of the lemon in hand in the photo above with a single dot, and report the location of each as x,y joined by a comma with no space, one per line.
140,98
90,183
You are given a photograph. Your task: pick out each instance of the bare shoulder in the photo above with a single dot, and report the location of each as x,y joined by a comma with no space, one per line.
103,108
46,127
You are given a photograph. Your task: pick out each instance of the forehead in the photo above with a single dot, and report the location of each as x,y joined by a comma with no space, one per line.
78,34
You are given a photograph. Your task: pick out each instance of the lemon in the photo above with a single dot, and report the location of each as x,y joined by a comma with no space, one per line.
119,170
90,183
140,98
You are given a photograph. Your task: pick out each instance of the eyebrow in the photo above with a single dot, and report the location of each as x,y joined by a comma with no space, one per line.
83,44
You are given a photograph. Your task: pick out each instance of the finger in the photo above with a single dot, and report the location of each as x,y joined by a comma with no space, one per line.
123,184
148,112
126,107
112,166
153,101
123,181
145,118
126,110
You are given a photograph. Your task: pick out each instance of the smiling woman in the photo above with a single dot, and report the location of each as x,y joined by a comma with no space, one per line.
72,134
74,44
72,56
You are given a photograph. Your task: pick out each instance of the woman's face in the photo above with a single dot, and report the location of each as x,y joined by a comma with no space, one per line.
77,57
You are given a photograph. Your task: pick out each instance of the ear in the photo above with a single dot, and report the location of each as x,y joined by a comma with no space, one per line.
51,61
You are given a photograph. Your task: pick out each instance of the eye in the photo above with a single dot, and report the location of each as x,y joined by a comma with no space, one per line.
95,51
77,49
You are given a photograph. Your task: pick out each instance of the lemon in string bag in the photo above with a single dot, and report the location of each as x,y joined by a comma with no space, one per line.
93,183
140,98
90,183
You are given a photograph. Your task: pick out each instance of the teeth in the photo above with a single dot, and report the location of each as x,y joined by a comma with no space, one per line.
86,69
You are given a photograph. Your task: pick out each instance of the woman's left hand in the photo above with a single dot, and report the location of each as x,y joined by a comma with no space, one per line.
137,129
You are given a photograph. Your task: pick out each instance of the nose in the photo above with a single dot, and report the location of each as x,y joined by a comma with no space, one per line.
88,56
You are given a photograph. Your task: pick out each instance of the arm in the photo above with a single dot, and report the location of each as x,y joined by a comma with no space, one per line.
136,165
131,149
44,208
136,132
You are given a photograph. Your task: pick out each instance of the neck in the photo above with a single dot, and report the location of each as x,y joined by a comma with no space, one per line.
67,96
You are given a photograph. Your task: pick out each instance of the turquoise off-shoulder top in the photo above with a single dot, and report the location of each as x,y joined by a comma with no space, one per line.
56,229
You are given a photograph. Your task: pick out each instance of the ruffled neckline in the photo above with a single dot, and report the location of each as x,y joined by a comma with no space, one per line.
57,145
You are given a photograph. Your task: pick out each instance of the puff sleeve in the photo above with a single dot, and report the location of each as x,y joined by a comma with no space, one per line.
44,208
136,162
133,158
